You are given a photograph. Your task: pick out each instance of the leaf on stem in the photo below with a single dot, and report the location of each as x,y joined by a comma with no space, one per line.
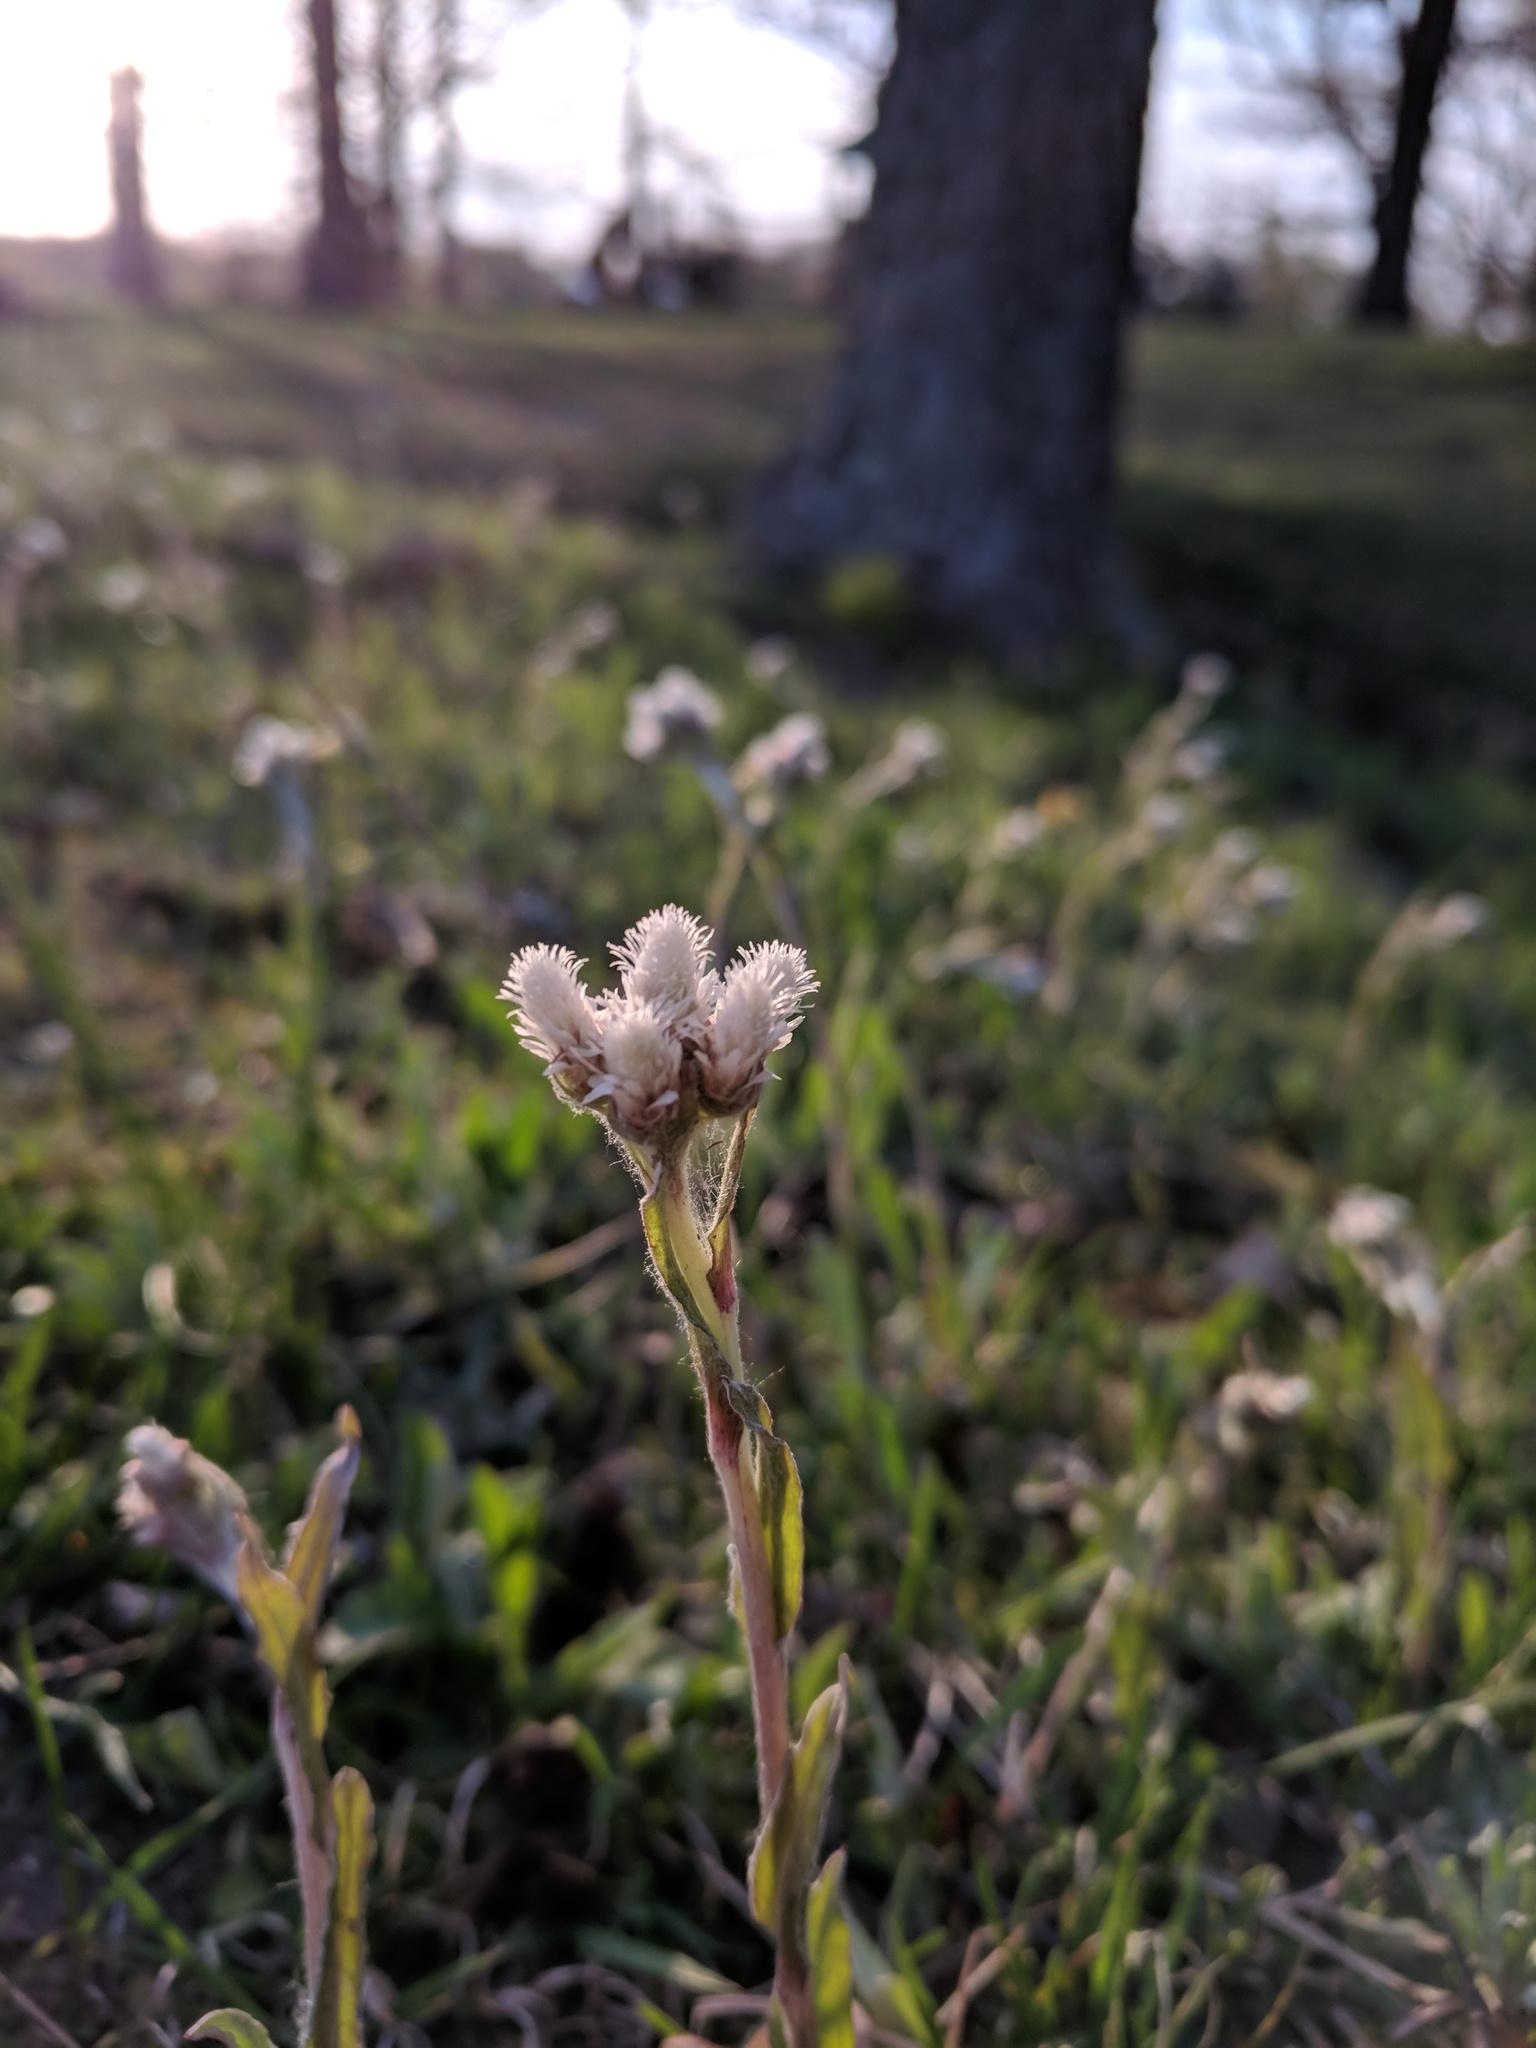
779,1876
311,1549
829,1947
234,2029
336,2022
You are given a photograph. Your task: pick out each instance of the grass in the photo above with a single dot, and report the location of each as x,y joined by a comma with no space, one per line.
1206,1716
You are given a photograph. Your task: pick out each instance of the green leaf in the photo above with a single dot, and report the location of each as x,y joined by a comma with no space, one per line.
235,2029
49,1712
311,1549
892,2001
776,1484
779,1876
829,1945
337,2020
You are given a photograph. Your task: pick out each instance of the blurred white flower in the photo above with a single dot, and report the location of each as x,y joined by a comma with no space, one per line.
1016,832
676,706
172,1497
1199,759
1453,919
917,748
793,751
123,587
1270,886
1375,1231
271,743
1253,1402
1206,677
768,660
1163,816
37,542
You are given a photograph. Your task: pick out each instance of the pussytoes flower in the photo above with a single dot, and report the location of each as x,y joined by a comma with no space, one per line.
553,1015
642,1062
174,1498
666,961
674,1040
793,751
676,706
761,1001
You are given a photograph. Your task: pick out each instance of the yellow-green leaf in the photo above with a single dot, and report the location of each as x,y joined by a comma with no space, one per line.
337,2018
779,1876
829,1946
234,2029
311,1549
776,1485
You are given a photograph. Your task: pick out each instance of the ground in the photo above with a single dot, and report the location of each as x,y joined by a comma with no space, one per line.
1184,1546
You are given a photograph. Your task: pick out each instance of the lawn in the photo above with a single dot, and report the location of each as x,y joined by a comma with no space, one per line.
1172,1510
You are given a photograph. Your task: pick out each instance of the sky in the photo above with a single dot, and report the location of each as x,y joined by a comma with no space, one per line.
224,125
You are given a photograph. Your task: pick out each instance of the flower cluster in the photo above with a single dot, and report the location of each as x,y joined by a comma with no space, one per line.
675,1040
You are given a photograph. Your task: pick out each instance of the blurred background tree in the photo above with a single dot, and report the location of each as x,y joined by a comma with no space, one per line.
970,430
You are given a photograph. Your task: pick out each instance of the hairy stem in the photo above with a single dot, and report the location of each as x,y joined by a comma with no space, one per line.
766,1663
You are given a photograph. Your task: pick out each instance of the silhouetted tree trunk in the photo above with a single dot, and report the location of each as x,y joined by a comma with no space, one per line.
1426,48
337,256
971,426
448,164
389,148
133,267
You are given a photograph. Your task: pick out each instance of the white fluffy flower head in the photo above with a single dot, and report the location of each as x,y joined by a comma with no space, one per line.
552,1013
665,961
674,1042
761,1001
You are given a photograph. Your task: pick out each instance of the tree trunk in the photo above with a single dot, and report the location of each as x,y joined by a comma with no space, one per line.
970,430
133,267
337,258
448,164
1426,48
389,149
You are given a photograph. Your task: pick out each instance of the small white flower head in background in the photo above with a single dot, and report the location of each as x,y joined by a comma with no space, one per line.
1163,816
768,660
677,706
1375,1231
1455,918
666,961
793,751
1016,831
1199,759
917,749
1206,677
674,1041
174,1498
762,998
268,744
553,1015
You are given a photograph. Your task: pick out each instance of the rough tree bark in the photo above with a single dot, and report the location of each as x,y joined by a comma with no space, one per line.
1426,49
133,266
970,430
337,257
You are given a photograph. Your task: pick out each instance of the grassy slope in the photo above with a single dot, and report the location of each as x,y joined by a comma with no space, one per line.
271,1173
